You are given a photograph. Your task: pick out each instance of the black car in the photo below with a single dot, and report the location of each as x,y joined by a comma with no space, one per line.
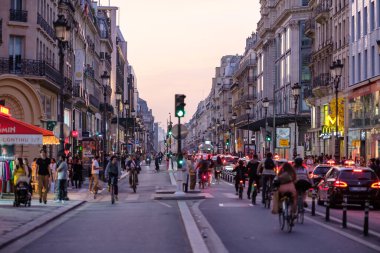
357,183
319,172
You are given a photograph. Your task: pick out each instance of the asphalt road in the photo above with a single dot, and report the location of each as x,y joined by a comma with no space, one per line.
246,228
136,223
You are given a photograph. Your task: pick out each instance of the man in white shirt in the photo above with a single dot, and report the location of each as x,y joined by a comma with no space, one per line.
94,181
62,176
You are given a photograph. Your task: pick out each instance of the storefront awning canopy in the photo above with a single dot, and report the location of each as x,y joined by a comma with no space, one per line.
13,132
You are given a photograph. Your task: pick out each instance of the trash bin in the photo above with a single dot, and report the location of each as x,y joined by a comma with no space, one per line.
193,180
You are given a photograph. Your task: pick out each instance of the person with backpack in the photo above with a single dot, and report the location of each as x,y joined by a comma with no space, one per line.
253,175
113,173
268,173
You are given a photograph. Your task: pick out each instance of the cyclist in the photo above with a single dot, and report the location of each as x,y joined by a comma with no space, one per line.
303,182
241,171
202,167
286,178
211,166
218,168
268,173
113,173
133,165
252,167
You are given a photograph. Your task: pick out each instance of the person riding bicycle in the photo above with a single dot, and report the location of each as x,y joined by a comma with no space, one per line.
211,166
241,172
268,173
218,167
286,178
252,168
303,182
202,168
133,166
113,173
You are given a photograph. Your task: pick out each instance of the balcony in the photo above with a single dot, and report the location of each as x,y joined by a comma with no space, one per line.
309,97
67,88
321,85
30,69
89,73
245,65
79,95
108,106
119,78
310,28
322,11
45,26
18,15
94,102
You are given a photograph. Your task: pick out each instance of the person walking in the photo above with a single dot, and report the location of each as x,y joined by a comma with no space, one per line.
43,175
77,173
53,169
157,163
62,176
29,175
94,183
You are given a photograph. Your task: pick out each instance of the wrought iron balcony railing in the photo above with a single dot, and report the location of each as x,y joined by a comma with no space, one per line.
45,26
18,15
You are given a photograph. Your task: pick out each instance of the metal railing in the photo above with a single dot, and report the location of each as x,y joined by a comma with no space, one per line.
309,24
323,7
323,79
68,85
94,101
45,26
18,15
27,67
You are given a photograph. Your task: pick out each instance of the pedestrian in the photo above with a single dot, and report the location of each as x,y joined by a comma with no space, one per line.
62,175
43,175
94,183
252,168
77,173
53,169
29,175
157,163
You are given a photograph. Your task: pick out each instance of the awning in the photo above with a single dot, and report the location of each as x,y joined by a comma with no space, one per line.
13,132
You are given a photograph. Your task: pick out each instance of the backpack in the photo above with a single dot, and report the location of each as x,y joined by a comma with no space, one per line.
269,164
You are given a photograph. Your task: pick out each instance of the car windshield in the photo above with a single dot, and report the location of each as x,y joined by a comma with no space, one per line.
355,175
321,170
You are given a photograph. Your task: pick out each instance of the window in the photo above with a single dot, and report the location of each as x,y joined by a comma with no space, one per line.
373,61
365,72
365,21
353,28
372,16
353,69
15,53
16,4
46,105
358,25
359,67
305,2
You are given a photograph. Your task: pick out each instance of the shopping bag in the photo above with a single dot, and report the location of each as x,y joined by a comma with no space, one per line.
275,204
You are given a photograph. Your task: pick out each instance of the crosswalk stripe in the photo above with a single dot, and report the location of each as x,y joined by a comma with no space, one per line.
132,197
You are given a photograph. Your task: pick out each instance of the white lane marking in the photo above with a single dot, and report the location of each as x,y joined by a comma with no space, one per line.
352,237
377,234
221,204
132,196
196,241
234,205
164,204
208,195
228,183
230,195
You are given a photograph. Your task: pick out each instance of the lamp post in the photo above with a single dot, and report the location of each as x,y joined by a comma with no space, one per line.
248,110
336,71
265,103
105,80
296,93
118,99
62,31
223,122
234,116
217,136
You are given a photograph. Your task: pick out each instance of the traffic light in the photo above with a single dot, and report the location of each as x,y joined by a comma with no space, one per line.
180,105
227,142
170,129
180,161
268,137
50,125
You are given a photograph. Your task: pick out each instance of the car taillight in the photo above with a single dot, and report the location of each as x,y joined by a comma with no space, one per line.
358,170
241,181
340,184
376,185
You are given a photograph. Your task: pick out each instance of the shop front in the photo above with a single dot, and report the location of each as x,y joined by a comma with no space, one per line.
364,123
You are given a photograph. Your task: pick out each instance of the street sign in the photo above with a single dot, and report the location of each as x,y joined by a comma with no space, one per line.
184,131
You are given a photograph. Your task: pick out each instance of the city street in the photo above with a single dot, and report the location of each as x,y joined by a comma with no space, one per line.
138,223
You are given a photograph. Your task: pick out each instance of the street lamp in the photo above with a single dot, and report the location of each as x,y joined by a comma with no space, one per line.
62,31
118,99
248,110
105,81
234,116
296,93
265,103
336,71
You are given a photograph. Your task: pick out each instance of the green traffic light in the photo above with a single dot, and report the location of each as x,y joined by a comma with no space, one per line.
180,113
170,132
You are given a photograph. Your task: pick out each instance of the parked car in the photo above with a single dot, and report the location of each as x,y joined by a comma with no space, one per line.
357,183
319,172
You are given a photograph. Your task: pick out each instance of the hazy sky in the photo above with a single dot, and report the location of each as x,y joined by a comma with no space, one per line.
175,45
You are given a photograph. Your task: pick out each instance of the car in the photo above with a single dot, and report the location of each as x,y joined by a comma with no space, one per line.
319,172
357,183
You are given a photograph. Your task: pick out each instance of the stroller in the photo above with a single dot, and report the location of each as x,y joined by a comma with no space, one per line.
22,194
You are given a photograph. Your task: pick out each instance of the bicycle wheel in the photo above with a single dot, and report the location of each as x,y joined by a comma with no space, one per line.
282,219
253,197
288,216
301,210
240,192
112,194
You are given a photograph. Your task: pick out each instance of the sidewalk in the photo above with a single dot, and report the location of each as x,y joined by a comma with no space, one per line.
18,221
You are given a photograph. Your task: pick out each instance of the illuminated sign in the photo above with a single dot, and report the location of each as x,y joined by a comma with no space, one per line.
283,137
331,119
74,134
4,110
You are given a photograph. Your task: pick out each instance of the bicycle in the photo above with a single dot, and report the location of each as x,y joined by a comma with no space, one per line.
133,179
241,189
112,189
268,193
285,214
254,193
300,208
217,176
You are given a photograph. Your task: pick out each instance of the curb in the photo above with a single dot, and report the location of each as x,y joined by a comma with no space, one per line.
35,224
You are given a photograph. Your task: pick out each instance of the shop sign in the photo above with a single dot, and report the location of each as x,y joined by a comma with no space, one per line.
283,137
5,110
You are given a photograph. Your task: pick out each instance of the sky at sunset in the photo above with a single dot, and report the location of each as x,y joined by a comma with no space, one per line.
175,45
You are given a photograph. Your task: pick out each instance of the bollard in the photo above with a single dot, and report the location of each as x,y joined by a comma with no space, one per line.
313,203
366,212
344,218
328,207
